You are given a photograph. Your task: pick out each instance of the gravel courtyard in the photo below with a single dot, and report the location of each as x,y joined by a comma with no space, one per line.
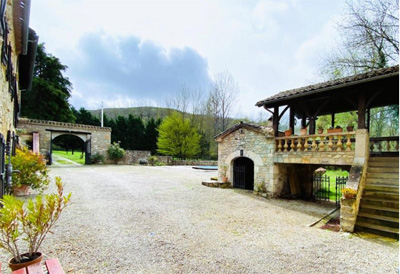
134,219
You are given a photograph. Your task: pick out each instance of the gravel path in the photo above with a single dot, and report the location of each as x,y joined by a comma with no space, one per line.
133,219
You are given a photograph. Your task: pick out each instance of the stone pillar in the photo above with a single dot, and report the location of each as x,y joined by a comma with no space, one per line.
349,207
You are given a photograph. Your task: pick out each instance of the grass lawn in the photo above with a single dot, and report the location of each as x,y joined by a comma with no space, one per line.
332,179
76,157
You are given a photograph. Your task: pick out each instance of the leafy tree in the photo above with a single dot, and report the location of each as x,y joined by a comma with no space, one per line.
50,92
82,116
177,137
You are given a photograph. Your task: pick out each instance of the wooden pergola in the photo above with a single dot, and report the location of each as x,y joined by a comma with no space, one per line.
359,93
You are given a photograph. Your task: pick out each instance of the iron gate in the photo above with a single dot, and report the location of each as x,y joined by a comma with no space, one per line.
321,185
340,184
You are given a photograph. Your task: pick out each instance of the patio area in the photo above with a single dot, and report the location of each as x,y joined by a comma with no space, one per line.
142,219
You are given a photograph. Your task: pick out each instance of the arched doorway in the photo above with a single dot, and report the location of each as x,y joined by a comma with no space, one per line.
76,147
243,173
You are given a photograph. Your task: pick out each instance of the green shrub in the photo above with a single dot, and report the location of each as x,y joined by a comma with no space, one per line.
30,221
115,152
97,158
152,160
32,169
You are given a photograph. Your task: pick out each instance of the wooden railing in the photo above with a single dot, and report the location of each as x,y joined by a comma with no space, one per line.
384,144
330,142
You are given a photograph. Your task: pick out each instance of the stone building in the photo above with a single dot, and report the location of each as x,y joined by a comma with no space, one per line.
262,159
18,47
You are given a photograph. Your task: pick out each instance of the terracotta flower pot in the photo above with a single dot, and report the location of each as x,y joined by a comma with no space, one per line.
288,132
22,190
303,131
350,128
224,179
320,130
38,256
349,196
335,130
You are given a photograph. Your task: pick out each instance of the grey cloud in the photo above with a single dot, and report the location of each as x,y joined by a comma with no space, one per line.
129,67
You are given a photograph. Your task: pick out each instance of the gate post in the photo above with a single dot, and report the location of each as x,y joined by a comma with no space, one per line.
88,150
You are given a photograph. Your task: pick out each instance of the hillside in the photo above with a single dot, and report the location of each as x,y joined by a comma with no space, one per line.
144,112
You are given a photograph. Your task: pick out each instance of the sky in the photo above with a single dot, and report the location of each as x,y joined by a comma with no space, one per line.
137,53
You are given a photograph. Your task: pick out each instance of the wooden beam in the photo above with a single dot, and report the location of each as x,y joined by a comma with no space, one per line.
269,110
275,120
372,98
361,111
291,118
283,112
312,126
368,118
303,120
333,119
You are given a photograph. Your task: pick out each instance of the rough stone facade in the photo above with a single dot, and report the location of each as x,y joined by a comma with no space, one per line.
258,144
7,107
133,157
319,158
100,136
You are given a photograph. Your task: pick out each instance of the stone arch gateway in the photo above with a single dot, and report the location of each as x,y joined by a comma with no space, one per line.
41,133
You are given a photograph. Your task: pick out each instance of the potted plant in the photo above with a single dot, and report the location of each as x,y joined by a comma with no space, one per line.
350,127
320,129
30,222
335,130
303,131
115,152
32,172
224,170
349,193
288,132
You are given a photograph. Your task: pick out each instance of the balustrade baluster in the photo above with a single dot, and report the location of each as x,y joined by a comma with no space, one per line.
348,143
321,146
314,144
397,145
372,146
292,146
279,145
339,143
380,146
330,144
299,145
285,146
388,145
305,144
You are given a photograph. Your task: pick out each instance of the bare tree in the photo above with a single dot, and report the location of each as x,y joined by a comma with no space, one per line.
370,38
222,97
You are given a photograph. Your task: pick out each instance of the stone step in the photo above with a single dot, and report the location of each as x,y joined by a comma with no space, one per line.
213,183
383,175
380,194
388,181
378,229
384,159
380,202
383,170
378,219
379,210
383,164
382,187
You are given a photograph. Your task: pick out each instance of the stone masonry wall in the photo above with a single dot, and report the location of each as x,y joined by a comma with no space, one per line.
6,105
258,146
100,136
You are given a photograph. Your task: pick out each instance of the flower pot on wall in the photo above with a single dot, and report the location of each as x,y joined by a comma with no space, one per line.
320,130
335,130
288,132
303,131
350,128
37,258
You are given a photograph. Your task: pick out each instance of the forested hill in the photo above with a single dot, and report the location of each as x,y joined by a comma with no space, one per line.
144,112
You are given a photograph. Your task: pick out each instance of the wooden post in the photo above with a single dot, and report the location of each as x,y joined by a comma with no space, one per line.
291,118
361,111
333,120
275,120
368,118
303,120
312,126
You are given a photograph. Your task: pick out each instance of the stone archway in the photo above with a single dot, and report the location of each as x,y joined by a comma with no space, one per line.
80,141
243,173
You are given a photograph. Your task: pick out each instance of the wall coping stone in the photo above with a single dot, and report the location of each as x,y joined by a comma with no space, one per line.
60,124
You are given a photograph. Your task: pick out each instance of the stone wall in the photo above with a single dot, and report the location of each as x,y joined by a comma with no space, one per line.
259,146
133,157
194,163
100,136
320,158
6,104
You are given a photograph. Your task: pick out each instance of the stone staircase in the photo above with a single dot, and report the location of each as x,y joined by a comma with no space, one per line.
379,206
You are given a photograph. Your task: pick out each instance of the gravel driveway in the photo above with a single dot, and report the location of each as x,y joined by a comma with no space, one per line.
134,219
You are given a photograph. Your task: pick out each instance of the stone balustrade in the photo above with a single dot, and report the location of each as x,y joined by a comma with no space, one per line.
329,142
384,144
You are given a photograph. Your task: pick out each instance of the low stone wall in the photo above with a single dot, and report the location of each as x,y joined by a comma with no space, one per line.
194,163
166,160
320,158
132,157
